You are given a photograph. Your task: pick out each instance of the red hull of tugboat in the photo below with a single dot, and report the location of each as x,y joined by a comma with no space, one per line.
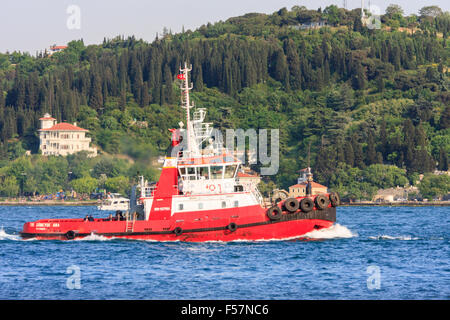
247,223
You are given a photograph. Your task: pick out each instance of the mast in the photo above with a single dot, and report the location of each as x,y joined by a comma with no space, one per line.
196,131
185,104
309,176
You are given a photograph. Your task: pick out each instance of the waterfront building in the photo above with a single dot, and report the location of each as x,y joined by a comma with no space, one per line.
53,49
63,138
299,190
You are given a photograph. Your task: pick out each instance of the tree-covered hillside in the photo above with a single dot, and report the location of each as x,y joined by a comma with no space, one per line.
372,105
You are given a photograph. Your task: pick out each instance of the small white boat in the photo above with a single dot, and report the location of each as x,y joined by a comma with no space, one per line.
115,202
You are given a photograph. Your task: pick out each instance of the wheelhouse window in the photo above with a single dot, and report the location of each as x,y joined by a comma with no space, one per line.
191,173
188,173
203,173
180,206
216,172
224,204
229,171
200,205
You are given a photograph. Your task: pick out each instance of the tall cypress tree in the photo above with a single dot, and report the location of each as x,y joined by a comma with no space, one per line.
280,68
383,146
444,121
168,80
443,160
357,152
358,75
349,154
293,60
96,96
409,133
371,154
2,96
325,164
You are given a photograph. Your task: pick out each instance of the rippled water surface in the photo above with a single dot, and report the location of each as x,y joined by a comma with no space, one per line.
371,253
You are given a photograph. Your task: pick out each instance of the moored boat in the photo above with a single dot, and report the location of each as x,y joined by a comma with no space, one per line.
114,202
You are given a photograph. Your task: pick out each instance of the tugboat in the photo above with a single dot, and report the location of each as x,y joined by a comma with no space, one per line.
199,198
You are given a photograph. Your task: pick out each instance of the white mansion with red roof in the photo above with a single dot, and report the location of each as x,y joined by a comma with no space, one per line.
63,138
53,49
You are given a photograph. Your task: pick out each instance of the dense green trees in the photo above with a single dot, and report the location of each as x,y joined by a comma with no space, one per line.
434,186
361,97
45,175
84,185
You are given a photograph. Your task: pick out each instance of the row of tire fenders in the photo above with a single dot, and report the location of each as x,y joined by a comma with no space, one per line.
292,205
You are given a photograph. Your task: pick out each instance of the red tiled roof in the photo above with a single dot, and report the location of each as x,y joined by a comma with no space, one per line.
64,126
313,184
247,175
58,47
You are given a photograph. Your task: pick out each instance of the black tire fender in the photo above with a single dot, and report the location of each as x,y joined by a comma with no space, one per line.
232,227
178,231
274,213
70,235
335,199
306,205
291,205
321,201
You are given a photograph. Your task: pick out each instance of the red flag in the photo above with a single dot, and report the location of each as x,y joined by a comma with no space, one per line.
181,77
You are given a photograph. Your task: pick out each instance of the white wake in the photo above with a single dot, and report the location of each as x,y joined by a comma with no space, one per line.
95,237
7,236
336,231
387,237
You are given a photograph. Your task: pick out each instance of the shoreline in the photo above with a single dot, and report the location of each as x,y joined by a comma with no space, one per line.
398,204
49,203
95,203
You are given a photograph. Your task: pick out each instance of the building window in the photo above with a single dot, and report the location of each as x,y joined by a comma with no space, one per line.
224,204
200,205
236,203
180,206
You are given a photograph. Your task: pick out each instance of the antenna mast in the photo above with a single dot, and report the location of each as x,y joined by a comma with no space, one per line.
186,104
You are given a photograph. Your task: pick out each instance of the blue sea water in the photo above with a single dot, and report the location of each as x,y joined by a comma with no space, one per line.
371,253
